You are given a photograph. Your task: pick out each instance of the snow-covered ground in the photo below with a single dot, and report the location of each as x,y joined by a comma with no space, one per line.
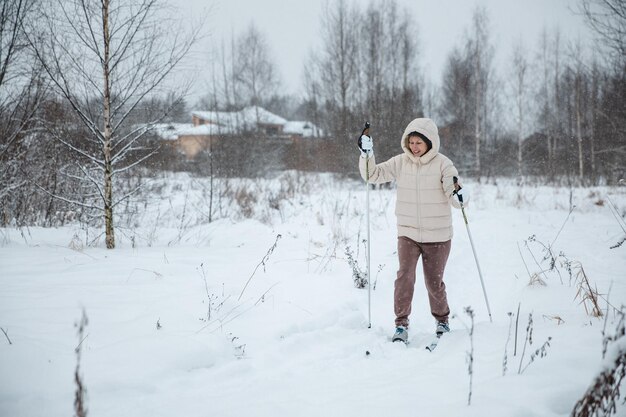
256,314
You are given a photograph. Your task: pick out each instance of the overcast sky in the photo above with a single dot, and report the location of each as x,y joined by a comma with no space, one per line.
291,28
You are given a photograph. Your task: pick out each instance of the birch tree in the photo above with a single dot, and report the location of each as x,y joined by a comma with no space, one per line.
457,108
593,113
558,126
579,107
607,19
105,57
465,91
480,52
364,71
545,108
520,69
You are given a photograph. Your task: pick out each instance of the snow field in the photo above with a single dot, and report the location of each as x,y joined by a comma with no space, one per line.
295,342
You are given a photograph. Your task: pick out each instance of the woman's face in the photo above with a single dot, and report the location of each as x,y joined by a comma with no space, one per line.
417,146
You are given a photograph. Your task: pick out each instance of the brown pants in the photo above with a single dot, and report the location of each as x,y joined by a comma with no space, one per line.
434,258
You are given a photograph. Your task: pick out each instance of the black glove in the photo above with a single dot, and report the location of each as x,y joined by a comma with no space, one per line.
366,144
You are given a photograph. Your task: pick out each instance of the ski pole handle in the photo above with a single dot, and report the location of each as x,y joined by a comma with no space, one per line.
365,141
456,183
366,129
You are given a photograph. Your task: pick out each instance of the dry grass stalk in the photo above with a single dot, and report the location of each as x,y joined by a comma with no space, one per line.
535,279
558,319
588,296
80,395
505,360
470,355
262,263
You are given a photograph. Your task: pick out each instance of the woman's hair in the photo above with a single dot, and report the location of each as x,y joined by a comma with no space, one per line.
429,144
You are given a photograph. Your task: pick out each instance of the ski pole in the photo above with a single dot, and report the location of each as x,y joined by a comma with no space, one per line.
366,132
480,274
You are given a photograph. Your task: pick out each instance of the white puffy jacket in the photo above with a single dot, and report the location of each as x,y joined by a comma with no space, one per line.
424,184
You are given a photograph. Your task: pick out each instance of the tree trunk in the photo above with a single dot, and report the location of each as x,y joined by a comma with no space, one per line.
520,139
557,101
477,116
547,109
592,120
520,68
579,135
108,168
478,51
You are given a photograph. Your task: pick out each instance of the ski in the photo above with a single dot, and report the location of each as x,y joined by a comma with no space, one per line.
433,344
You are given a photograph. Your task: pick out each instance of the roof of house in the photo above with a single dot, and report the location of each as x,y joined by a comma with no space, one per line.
205,130
304,128
168,131
224,123
244,119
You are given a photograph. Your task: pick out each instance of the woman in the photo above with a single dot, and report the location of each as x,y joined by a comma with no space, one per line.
425,191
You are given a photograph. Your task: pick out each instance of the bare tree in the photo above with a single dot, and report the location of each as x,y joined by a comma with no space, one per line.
256,74
520,80
556,84
22,90
105,57
552,98
388,91
312,88
18,79
594,114
388,54
579,106
365,69
12,15
545,108
229,90
374,63
480,52
466,94
337,65
607,18
243,75
456,106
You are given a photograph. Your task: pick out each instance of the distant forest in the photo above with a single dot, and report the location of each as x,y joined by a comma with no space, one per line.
80,80
557,112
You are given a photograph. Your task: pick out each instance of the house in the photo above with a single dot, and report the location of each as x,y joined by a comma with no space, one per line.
249,119
208,126
255,119
302,129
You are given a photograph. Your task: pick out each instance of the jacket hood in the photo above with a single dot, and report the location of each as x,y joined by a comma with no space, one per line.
427,128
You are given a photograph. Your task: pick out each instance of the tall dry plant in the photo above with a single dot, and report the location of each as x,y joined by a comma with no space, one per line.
80,394
540,352
262,263
588,296
360,277
470,354
586,293
603,395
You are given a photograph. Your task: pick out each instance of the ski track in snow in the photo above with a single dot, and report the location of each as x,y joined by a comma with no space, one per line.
295,343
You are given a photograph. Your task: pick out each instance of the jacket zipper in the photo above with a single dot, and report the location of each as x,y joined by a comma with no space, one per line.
417,200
